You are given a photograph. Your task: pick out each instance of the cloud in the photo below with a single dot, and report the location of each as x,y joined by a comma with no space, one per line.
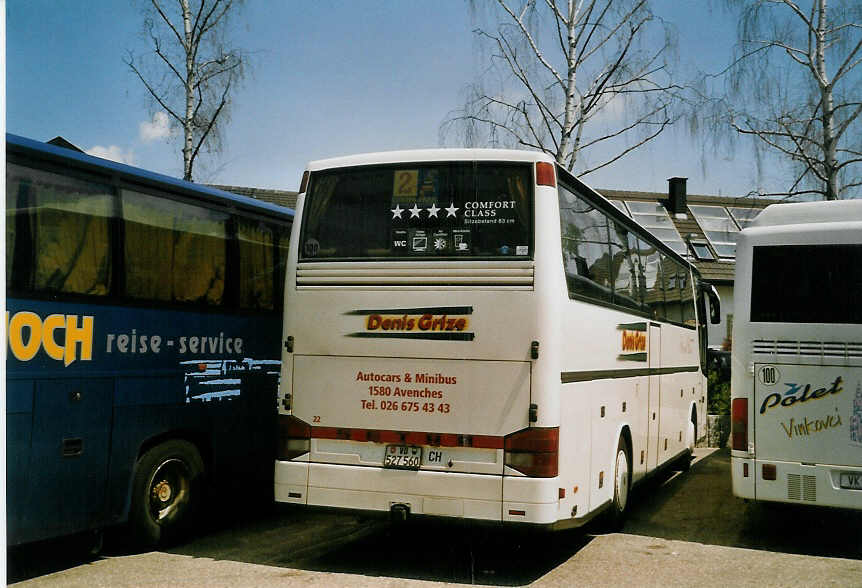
112,152
158,128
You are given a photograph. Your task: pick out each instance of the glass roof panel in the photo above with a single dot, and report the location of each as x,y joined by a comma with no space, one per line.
619,204
718,226
743,216
654,217
702,251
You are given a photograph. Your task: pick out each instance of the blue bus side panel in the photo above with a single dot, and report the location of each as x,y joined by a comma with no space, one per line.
143,376
19,428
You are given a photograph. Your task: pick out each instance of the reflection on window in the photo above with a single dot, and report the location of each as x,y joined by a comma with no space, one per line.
652,279
584,231
625,267
719,228
173,252
674,280
256,251
654,217
607,262
61,224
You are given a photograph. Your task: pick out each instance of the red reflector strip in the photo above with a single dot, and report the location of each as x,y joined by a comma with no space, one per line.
739,424
518,513
545,174
408,437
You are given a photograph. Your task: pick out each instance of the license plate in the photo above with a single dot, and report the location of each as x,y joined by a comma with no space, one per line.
851,481
402,457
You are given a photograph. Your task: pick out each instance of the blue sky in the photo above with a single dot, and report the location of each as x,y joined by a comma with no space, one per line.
330,77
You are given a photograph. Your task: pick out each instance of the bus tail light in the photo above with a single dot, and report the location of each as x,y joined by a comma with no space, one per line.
545,174
294,437
739,424
534,451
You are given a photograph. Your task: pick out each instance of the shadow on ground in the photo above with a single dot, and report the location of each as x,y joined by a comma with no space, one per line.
699,506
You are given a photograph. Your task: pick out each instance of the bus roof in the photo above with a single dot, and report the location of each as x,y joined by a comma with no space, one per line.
49,151
809,212
429,155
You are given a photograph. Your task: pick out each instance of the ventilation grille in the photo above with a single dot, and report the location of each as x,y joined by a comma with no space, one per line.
517,275
801,487
815,349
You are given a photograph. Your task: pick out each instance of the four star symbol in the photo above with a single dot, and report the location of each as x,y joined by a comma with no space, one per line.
432,211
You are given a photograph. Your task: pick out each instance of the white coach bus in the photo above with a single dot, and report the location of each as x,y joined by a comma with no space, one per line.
477,334
796,384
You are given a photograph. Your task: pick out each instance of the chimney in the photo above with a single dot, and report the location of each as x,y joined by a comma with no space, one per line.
676,197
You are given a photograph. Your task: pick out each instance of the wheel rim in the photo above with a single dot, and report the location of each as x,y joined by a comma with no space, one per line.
621,481
169,491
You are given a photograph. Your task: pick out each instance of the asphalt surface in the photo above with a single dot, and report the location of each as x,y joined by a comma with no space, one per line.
684,529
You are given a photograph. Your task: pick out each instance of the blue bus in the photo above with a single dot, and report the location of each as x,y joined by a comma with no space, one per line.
143,319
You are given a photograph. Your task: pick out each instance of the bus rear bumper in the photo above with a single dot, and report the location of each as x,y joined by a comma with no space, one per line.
443,494
797,483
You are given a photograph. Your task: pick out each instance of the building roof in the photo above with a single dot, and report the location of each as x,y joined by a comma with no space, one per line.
281,197
718,271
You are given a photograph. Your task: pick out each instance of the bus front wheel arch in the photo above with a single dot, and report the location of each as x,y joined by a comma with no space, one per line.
166,493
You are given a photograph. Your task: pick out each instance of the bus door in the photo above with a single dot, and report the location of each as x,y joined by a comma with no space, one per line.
654,396
70,442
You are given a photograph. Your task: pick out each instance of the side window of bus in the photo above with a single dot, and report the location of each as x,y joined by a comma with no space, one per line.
625,267
173,252
57,232
671,272
282,244
258,285
689,314
653,291
586,250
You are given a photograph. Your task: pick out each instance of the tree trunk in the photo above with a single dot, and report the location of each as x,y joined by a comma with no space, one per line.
830,163
189,90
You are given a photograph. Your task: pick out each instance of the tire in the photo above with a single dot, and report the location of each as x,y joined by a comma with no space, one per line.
166,493
622,487
691,438
683,464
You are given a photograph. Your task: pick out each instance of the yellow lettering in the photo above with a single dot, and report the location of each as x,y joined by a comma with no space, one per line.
21,350
49,343
82,335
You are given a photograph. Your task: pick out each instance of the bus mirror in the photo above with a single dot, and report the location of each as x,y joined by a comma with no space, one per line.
714,304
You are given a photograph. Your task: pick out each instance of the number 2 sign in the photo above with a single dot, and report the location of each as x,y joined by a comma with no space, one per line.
406,183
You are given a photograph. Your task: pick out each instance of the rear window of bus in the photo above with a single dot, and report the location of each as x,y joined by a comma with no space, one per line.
411,211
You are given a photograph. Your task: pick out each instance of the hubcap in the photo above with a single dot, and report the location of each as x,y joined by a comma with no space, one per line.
170,488
622,479
163,491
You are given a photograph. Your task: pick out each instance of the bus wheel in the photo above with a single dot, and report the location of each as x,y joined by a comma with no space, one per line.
622,487
165,492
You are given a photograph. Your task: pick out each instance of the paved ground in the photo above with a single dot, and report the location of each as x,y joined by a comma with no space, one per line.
686,529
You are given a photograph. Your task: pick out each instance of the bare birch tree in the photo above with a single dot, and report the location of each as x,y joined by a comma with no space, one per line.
795,87
571,76
191,70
